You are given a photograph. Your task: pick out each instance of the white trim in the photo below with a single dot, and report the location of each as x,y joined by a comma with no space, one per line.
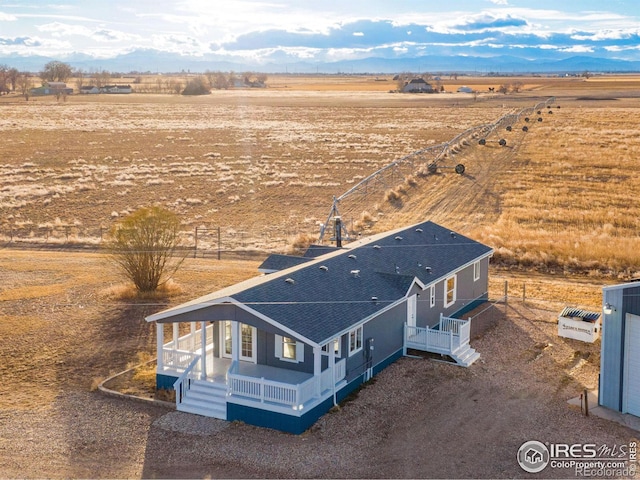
476,271
445,299
234,302
359,328
432,296
326,348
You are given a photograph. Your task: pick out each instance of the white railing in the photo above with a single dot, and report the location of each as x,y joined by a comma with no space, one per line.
451,334
183,383
177,359
192,340
293,395
340,372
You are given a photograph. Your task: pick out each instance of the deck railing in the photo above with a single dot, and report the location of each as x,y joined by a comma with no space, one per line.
294,395
451,334
183,383
179,358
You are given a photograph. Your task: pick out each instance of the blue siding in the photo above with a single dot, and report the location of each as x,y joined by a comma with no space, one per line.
165,382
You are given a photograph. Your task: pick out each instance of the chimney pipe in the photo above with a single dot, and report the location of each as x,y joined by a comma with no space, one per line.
338,221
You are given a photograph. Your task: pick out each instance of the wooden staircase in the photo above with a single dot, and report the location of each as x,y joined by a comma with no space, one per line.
204,398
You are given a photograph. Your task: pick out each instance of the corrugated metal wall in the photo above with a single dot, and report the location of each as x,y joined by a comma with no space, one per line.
625,299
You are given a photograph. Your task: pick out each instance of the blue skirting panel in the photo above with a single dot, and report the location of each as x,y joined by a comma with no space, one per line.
165,382
278,421
298,424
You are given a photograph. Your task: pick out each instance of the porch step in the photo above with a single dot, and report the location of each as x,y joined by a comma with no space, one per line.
205,398
465,355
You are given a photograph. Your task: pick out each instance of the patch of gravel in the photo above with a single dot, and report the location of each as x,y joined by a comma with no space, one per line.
191,424
417,419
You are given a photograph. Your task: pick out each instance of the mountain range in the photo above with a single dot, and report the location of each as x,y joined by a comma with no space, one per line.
156,61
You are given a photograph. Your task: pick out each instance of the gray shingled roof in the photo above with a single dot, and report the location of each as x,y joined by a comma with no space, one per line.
323,299
276,262
334,292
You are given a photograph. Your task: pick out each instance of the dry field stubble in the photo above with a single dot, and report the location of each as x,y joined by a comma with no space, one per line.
265,163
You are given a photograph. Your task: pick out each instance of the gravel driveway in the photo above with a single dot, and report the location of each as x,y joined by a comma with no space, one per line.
418,419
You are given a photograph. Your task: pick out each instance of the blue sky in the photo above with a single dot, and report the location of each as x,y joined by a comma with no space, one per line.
326,30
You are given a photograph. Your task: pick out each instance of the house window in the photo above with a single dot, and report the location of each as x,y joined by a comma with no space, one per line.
288,350
336,347
432,296
355,340
476,271
449,291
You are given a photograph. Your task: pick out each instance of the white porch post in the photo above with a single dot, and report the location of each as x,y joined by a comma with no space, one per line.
317,368
176,335
203,356
193,336
235,342
160,345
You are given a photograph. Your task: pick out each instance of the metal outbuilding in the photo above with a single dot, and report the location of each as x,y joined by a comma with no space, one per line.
619,387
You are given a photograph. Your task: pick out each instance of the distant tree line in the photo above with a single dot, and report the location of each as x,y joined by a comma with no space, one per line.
12,80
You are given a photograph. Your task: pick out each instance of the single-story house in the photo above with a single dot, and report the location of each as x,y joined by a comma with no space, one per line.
465,89
418,85
281,349
619,387
89,89
116,89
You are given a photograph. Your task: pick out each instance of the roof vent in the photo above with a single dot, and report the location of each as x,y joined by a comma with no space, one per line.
435,237
352,256
428,269
355,273
398,238
377,247
419,230
324,268
374,299
453,235
290,281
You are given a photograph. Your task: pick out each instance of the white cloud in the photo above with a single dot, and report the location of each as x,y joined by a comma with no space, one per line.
500,2
5,17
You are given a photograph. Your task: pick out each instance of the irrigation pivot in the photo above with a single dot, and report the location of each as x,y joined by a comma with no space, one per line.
432,159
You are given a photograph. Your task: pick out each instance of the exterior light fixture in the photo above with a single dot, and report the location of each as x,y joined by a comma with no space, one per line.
608,309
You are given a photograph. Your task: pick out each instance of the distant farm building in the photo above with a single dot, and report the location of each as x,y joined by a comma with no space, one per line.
418,85
116,89
465,89
52,88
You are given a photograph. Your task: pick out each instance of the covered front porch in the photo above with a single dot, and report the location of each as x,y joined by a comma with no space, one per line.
194,364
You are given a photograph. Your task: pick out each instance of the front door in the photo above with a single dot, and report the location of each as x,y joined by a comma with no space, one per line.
248,340
412,307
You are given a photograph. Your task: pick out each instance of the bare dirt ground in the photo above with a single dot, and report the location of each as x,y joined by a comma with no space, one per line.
418,419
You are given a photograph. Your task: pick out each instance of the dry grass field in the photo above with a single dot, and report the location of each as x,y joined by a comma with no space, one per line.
560,198
558,204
